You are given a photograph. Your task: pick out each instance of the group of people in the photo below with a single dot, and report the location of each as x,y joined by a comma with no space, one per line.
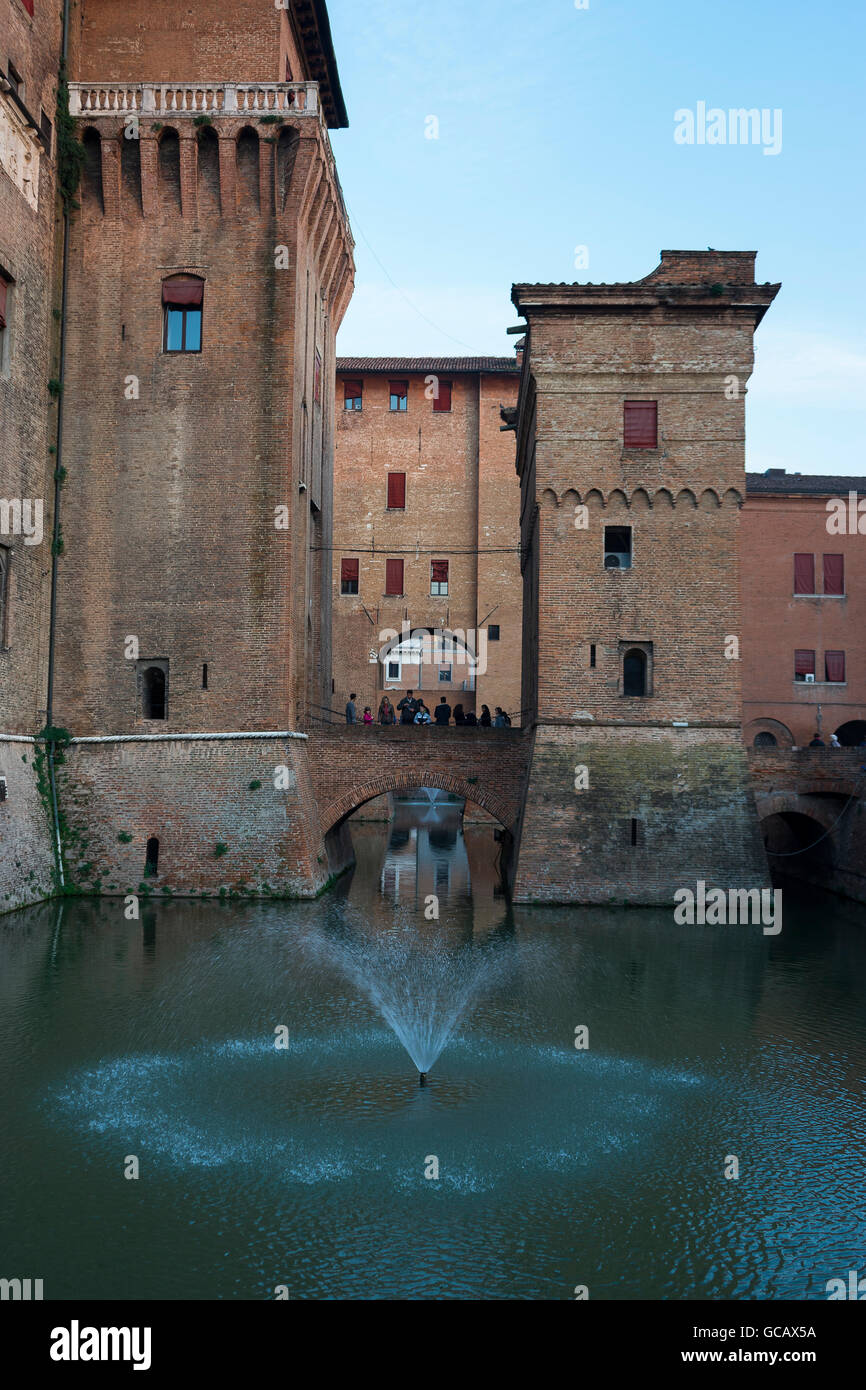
412,710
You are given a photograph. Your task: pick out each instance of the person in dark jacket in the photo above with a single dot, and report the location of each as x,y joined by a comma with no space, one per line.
442,713
351,716
470,720
459,716
408,707
485,721
386,712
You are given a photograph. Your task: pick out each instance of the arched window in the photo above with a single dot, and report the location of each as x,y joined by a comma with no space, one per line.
153,693
634,672
765,739
151,861
182,297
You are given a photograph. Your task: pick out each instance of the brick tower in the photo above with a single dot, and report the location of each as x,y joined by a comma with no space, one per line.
210,265
630,448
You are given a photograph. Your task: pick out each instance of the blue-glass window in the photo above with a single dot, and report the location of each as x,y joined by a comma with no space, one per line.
182,328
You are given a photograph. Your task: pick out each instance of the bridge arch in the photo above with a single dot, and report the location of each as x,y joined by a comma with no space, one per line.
338,811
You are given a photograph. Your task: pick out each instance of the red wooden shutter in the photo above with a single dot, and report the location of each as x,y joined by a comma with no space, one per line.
393,576
804,663
397,491
835,662
834,574
349,569
186,292
351,390
443,400
640,425
440,571
3,289
28,5
804,574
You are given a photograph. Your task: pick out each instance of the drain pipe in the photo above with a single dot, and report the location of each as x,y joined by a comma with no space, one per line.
58,455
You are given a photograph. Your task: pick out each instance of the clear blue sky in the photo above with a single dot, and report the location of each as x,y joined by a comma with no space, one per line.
556,130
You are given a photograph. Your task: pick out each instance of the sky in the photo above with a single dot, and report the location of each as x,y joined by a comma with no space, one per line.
555,130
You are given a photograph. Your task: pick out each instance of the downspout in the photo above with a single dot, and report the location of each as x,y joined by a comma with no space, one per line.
55,542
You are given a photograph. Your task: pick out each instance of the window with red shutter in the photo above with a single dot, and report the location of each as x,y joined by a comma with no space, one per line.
349,576
317,378
804,574
442,399
439,577
396,491
834,663
393,576
804,664
640,425
28,5
834,574
353,395
4,289
399,395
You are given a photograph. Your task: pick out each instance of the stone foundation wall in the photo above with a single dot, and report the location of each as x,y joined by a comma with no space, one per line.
193,794
662,809
26,857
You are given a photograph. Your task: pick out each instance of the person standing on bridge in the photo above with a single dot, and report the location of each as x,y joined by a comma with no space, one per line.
408,707
484,720
386,711
442,713
351,716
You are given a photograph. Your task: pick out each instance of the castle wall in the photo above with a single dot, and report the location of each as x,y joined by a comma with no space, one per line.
193,795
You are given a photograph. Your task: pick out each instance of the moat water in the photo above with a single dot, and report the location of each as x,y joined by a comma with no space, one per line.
312,1166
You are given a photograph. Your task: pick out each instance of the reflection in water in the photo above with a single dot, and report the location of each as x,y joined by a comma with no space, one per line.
305,1164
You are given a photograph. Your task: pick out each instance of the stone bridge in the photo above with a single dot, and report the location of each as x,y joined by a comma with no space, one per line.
810,803
353,764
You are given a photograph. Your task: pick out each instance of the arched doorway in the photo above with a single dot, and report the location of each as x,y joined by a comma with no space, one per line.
634,672
852,733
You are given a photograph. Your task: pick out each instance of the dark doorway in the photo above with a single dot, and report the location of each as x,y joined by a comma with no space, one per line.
153,693
765,740
151,862
634,672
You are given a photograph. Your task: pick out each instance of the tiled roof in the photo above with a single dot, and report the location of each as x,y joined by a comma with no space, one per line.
777,480
427,364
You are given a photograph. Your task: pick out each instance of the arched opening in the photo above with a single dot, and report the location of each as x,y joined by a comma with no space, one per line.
634,672
852,734
780,735
151,861
169,170
248,170
208,172
153,704
434,824
798,846
765,739
92,167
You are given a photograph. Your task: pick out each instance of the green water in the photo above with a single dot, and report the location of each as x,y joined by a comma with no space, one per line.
308,1167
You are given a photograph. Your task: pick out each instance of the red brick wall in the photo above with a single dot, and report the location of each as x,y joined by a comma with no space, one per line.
462,499
170,500
192,795
776,622
349,766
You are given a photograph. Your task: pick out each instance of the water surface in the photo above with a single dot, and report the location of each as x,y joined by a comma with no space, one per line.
305,1166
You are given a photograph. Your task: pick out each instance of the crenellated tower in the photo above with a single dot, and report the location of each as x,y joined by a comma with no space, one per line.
630,447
